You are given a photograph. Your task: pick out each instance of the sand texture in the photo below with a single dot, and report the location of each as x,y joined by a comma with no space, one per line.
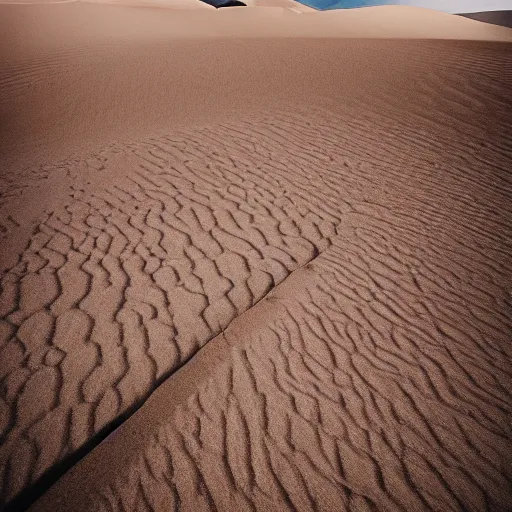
253,273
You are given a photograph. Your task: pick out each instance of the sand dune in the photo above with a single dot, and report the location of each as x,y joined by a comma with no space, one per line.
382,22
171,4
503,18
292,253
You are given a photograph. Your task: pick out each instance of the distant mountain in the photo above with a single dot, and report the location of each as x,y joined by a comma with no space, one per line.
225,3
326,5
503,18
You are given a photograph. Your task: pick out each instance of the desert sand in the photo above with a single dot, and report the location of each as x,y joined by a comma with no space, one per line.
254,259
503,18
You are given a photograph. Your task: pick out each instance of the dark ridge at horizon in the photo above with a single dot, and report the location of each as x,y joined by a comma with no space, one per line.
502,18
225,3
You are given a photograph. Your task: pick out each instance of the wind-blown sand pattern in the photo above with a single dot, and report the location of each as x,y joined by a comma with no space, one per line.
308,291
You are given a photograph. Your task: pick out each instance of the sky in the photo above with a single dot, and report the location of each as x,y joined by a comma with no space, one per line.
451,6
455,6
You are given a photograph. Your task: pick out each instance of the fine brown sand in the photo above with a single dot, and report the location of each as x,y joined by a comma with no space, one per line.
290,247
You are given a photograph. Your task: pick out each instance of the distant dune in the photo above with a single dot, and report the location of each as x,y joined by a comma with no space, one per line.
503,18
254,259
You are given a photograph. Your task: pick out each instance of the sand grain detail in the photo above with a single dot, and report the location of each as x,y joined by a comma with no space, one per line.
312,304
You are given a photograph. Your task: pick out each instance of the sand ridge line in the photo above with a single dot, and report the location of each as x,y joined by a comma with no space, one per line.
336,370
144,273
188,376
478,261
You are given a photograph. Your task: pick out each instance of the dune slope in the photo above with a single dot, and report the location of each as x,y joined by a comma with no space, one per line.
503,18
303,244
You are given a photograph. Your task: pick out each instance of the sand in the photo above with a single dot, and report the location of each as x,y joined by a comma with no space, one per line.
250,261
503,18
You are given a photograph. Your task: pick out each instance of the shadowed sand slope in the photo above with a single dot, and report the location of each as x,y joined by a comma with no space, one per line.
503,18
305,242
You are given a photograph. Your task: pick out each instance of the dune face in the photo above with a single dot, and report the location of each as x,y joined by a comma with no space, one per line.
503,18
293,254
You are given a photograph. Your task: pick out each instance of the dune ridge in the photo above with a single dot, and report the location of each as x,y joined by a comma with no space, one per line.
262,20
294,252
376,354
503,18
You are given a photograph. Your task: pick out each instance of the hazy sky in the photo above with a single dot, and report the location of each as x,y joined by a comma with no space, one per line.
452,6
460,5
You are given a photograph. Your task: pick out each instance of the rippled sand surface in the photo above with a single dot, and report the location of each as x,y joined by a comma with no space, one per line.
250,262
